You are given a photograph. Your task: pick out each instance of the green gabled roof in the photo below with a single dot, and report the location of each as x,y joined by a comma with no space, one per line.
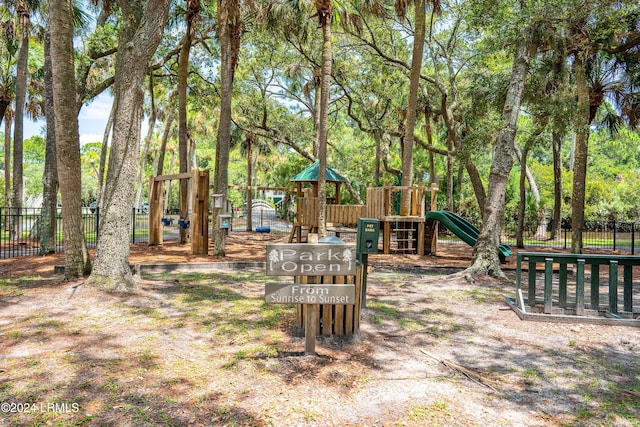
310,174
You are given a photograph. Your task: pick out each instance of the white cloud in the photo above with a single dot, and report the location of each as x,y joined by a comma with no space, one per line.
99,109
90,137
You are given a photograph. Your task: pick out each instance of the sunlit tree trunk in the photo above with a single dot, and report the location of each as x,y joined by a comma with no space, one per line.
324,11
7,158
140,34
21,96
147,143
163,144
557,184
580,160
49,214
414,86
485,252
103,153
192,10
229,34
77,261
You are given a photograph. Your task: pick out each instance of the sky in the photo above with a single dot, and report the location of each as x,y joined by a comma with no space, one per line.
92,121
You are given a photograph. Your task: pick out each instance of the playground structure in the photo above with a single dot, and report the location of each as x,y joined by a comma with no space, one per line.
413,233
462,228
401,233
199,221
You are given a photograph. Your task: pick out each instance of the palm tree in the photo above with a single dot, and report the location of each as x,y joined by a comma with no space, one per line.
229,34
599,77
49,213
8,52
23,13
324,10
191,16
414,87
77,261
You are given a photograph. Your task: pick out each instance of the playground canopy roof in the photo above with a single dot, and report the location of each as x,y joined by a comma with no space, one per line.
310,174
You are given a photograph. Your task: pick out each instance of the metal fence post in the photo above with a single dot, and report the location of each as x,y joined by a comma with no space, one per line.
614,234
133,224
97,223
633,238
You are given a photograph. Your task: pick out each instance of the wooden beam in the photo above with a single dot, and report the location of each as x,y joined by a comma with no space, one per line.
185,175
261,188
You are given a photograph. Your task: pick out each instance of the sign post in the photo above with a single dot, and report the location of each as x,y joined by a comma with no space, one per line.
303,259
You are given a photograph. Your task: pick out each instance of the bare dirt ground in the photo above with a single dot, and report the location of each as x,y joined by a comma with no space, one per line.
204,349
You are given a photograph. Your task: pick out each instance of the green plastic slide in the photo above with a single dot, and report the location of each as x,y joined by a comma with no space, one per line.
462,228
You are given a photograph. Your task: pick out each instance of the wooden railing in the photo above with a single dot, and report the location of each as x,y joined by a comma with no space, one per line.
576,301
380,200
339,214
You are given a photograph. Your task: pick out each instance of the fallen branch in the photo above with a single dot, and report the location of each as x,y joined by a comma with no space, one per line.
474,376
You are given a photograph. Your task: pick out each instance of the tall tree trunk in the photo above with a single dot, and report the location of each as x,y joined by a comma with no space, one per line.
580,164
414,87
183,139
557,184
378,166
485,252
523,196
229,34
317,108
49,214
450,178
325,11
167,190
67,138
103,153
147,142
7,160
476,183
163,144
18,125
249,183
140,34
527,173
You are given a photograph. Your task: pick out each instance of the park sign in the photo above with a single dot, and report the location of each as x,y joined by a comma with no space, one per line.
303,259
310,294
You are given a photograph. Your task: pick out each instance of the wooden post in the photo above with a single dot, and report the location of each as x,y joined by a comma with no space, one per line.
200,213
155,212
387,200
613,287
595,286
579,287
548,284
532,284
420,238
386,237
434,196
562,282
628,288
310,328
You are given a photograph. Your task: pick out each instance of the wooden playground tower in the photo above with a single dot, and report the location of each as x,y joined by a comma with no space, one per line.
406,231
199,221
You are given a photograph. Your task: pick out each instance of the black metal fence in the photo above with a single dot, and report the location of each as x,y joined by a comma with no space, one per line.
597,235
20,230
